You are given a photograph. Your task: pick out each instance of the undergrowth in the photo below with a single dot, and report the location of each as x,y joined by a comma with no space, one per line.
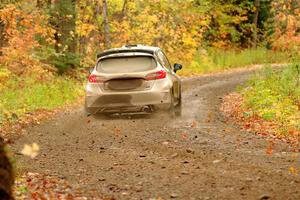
22,95
274,94
213,60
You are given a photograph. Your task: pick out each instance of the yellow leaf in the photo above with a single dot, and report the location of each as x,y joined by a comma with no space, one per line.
293,170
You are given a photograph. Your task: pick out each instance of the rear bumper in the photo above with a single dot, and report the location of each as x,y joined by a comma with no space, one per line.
133,101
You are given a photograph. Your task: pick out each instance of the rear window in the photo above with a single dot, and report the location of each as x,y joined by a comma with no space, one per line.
126,64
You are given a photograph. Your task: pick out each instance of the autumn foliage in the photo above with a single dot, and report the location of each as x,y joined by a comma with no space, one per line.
21,32
41,40
286,25
63,34
269,104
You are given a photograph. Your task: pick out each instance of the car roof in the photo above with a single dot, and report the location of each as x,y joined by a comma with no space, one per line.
129,49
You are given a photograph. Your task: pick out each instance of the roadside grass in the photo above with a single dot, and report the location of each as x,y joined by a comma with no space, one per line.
23,95
274,95
213,60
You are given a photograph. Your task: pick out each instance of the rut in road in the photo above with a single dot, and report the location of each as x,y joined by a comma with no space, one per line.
197,156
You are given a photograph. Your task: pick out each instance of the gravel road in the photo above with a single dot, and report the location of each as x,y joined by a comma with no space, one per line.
200,155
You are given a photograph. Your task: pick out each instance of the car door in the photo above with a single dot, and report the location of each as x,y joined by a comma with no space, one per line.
175,78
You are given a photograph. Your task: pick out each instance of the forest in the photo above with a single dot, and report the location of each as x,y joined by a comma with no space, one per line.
66,34
46,47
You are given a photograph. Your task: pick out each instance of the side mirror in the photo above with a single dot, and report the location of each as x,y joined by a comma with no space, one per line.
91,70
177,67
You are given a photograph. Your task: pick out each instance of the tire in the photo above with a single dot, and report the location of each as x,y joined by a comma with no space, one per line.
175,110
87,111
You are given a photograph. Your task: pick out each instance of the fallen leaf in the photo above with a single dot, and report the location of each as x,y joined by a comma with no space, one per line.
270,147
293,170
117,131
30,150
216,161
194,124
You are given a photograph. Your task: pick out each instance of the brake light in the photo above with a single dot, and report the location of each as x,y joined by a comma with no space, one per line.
94,79
156,75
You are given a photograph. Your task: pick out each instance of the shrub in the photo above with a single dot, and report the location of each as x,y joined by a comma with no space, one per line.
274,94
216,60
21,95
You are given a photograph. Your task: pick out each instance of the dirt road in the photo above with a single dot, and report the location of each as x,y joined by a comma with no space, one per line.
197,156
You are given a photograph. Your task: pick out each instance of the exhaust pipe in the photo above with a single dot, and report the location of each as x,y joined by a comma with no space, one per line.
146,109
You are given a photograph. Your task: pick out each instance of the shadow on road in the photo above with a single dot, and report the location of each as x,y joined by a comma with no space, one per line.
128,116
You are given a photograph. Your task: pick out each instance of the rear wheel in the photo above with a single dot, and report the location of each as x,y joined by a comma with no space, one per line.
175,110
87,111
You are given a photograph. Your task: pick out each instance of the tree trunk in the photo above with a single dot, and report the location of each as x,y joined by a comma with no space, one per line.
99,26
124,8
106,26
72,28
255,21
3,40
63,25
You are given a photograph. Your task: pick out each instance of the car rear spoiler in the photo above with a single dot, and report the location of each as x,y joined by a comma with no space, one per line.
109,52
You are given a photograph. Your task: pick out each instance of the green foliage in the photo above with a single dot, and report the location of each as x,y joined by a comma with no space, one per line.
26,95
36,36
60,52
64,61
176,27
62,18
230,23
179,27
22,189
274,94
217,60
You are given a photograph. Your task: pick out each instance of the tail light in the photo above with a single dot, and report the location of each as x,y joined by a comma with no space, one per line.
156,75
95,79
